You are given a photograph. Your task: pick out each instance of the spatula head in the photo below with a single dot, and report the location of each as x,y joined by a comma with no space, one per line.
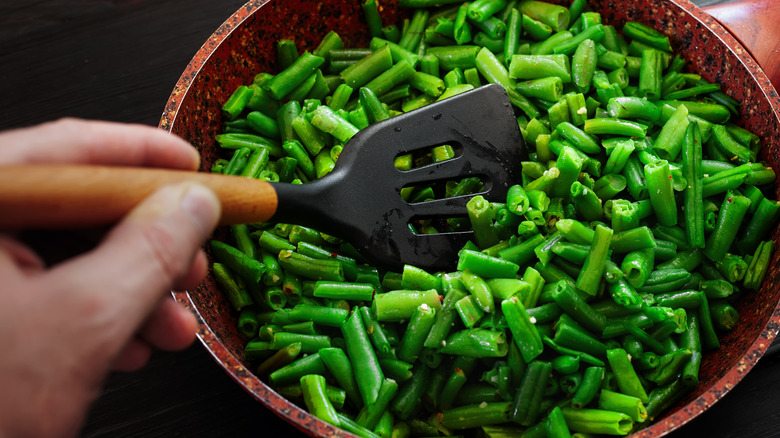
360,199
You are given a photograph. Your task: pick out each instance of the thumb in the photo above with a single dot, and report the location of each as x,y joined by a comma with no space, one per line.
143,257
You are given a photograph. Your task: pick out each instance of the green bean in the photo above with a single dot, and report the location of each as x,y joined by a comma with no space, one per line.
557,17
573,252
526,405
366,369
524,334
495,45
480,216
346,291
664,396
411,37
464,417
650,74
353,427
633,239
450,57
594,265
578,110
493,27
454,383
307,240
430,64
566,364
283,83
569,165
589,388
626,376
247,268
659,185
444,319
235,104
514,24
309,343
617,402
461,27
536,29
578,137
758,265
316,400
281,369
492,68
584,65
548,88
730,216
641,32
476,342
486,266
369,417
410,393
733,267
339,365
417,278
766,214
540,66
615,126
247,322
586,202
416,332
341,95
469,311
573,305
398,305
428,84
575,231
724,315
311,138
331,122
237,162
309,267
373,19
236,295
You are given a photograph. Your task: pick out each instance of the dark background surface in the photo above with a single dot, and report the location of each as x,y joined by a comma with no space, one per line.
119,60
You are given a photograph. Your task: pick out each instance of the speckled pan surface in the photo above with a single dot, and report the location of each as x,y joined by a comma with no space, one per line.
245,45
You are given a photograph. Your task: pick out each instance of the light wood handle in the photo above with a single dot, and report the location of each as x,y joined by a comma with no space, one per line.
46,196
755,23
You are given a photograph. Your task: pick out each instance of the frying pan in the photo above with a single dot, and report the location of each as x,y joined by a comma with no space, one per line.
245,45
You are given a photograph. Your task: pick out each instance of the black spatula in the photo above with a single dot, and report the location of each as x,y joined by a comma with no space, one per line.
358,201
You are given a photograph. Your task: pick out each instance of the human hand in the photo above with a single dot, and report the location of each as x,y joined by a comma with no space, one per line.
64,327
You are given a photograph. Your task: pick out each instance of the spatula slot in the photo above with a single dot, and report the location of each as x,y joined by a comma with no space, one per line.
439,225
440,216
410,160
415,193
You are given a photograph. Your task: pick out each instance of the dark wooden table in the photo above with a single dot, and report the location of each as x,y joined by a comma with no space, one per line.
119,60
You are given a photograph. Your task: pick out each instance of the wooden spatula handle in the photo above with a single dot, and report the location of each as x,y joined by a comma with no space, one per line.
83,195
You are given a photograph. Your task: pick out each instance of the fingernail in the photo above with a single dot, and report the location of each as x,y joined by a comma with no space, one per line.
202,207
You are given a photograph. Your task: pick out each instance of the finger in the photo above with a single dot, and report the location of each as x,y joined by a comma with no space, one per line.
196,273
133,356
171,327
21,255
97,142
141,259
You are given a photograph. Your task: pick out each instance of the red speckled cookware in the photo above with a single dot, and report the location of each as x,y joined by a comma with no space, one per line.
245,45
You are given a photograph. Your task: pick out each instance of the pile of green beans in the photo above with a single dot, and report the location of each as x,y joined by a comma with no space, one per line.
588,296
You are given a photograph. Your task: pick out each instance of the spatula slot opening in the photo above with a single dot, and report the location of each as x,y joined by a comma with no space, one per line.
416,193
410,160
439,225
